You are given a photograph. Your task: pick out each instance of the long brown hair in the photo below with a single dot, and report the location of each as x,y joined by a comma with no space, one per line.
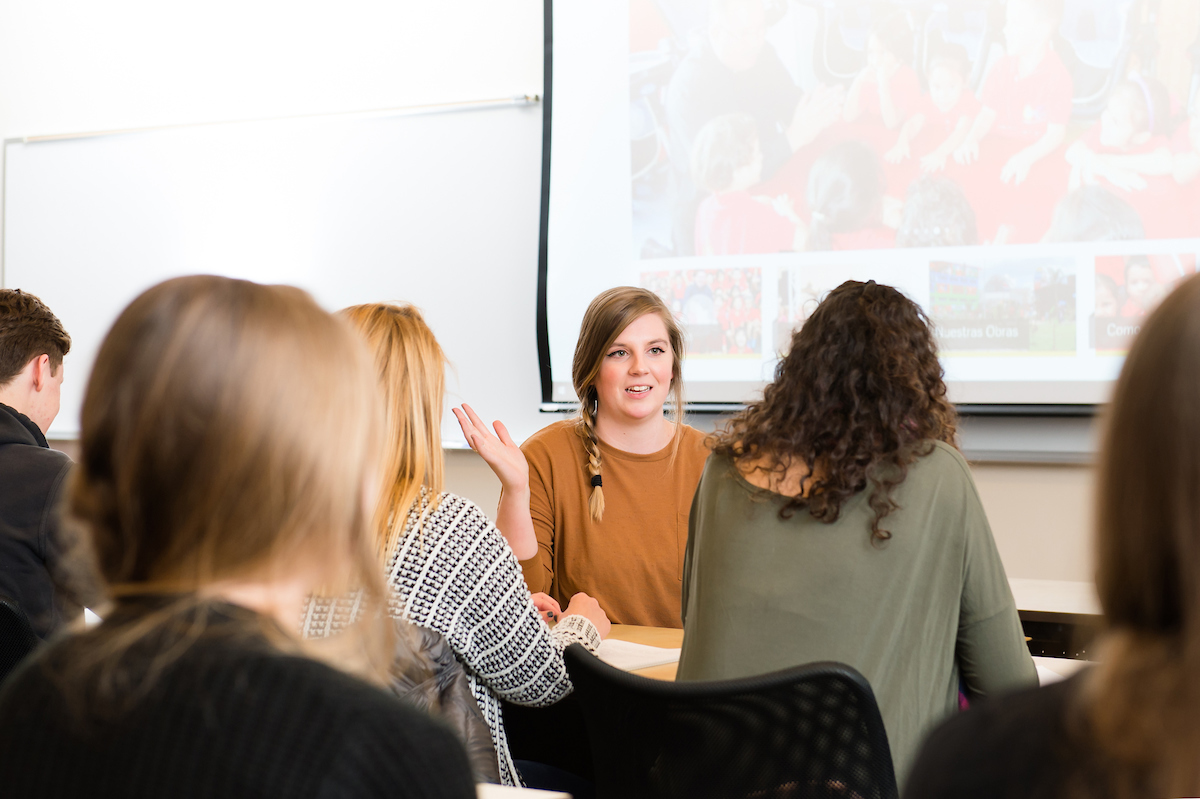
412,375
228,433
858,397
1138,712
610,313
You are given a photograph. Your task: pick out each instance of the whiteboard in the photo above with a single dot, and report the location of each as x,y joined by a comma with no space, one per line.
421,209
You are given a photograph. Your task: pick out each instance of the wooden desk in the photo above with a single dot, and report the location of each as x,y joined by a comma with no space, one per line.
665,637
1070,605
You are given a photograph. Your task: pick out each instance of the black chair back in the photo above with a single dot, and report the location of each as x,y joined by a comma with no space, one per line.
17,638
810,731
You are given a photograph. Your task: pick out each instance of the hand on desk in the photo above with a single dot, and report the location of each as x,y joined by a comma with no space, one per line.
583,605
547,606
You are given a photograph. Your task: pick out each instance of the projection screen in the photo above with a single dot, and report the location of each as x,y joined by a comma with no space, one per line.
1027,171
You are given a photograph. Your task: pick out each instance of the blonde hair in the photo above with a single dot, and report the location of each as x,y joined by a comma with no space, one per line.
609,314
228,433
411,370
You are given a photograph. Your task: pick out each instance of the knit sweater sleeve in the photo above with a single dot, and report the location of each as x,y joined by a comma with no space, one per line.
456,573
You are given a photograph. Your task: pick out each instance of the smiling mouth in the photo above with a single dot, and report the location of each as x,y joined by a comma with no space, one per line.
638,391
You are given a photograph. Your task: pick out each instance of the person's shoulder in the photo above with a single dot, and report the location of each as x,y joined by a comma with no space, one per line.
32,458
375,732
553,438
459,517
942,459
695,446
695,439
1004,747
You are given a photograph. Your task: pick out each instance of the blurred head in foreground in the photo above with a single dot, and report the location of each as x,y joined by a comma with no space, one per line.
228,444
1138,709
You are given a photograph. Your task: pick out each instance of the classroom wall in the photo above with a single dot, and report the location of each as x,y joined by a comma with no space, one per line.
74,65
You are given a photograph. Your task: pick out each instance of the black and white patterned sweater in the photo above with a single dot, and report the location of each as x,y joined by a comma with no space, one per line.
454,572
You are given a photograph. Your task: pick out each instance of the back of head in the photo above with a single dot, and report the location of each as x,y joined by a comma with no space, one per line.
411,369
608,314
845,192
856,399
227,434
937,214
28,329
1141,706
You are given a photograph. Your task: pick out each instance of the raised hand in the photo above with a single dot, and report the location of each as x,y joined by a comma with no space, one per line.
498,450
505,458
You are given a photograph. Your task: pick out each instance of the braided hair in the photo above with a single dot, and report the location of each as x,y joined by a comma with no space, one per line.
609,314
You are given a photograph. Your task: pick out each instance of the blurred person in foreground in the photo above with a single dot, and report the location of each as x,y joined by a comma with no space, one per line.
1128,726
228,468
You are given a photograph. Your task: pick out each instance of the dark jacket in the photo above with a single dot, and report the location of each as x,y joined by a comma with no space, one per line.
209,708
32,478
425,673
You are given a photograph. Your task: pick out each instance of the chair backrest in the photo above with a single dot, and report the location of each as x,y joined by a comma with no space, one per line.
809,731
17,638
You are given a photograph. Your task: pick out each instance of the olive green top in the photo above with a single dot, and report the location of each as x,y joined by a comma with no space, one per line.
915,615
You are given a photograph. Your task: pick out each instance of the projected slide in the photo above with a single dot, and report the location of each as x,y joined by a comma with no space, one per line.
1027,170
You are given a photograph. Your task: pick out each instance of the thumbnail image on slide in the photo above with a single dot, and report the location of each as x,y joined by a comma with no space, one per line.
721,308
763,126
802,287
1004,307
1128,287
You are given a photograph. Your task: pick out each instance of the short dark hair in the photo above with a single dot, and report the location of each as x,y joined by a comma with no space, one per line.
28,329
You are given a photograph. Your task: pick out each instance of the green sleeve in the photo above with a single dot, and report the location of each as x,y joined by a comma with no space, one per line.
991,650
689,551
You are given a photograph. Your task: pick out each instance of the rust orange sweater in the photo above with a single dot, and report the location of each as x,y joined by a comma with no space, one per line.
631,561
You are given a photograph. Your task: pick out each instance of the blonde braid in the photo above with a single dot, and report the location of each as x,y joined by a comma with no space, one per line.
587,431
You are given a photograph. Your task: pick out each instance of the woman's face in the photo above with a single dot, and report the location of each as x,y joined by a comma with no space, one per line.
635,375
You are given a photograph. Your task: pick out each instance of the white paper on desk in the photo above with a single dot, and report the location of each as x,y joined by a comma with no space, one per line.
629,656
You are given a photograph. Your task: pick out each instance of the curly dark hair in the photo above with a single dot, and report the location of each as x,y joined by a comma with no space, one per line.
857,399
